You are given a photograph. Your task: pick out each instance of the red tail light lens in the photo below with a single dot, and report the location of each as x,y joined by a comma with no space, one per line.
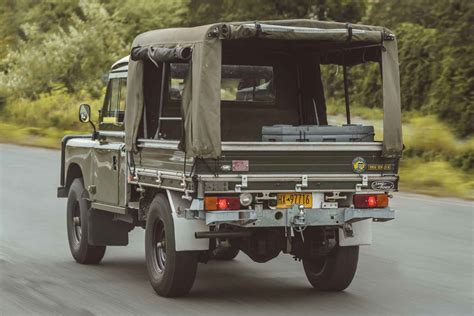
214,203
370,200
222,203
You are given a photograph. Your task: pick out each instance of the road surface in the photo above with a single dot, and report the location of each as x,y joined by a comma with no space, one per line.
421,263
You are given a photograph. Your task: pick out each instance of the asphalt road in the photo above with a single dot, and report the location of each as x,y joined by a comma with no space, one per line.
420,263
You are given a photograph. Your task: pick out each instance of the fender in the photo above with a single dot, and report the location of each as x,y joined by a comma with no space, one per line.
184,229
63,189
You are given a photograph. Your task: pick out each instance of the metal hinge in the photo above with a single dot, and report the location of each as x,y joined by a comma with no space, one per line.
183,181
238,187
158,178
303,184
365,182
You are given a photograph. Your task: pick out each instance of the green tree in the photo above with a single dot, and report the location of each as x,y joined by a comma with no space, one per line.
436,49
135,17
418,56
210,11
452,96
341,11
73,56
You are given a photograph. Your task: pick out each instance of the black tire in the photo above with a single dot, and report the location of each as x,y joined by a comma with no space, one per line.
171,272
333,272
77,226
225,253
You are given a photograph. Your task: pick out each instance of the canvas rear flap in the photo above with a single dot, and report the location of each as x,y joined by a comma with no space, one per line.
201,102
392,116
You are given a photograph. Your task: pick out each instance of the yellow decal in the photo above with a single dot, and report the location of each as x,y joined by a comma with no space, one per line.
110,119
379,167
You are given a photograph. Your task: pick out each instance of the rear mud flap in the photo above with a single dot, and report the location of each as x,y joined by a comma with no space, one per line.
105,231
356,234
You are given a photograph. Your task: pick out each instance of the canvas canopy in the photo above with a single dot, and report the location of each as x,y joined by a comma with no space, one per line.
201,95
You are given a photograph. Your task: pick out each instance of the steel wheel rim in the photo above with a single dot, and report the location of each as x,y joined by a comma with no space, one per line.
159,246
76,222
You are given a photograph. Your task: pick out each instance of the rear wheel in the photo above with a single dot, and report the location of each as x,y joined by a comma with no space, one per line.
77,226
333,272
171,272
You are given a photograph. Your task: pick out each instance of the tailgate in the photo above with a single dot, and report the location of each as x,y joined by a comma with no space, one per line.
311,166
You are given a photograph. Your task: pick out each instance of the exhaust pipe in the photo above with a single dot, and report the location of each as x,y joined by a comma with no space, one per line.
223,235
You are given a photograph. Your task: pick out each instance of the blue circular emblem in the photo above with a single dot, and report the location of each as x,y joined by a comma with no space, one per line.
359,165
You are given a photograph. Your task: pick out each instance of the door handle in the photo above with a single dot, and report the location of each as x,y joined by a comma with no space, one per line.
114,162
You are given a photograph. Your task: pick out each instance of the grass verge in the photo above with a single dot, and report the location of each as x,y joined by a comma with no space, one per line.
438,178
33,136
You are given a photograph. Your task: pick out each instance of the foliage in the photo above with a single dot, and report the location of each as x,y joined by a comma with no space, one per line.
418,64
247,10
210,11
436,49
58,110
34,136
73,57
436,178
135,17
427,138
47,45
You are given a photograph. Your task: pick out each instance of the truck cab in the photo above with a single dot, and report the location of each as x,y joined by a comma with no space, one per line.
216,140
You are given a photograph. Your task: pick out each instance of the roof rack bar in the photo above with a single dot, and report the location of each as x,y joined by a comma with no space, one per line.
170,118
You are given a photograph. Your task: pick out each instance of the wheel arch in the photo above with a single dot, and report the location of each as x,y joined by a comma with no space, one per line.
73,171
185,229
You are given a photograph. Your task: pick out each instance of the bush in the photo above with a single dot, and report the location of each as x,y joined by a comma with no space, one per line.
435,177
58,110
431,140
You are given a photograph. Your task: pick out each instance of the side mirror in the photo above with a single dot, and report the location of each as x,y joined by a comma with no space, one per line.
84,113
85,117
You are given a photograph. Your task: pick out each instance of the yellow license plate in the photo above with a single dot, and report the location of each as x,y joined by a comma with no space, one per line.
286,200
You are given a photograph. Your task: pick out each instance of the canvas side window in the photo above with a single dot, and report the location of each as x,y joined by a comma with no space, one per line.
247,83
239,83
113,111
365,105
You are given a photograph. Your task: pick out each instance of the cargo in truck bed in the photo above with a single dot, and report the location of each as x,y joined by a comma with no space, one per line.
318,133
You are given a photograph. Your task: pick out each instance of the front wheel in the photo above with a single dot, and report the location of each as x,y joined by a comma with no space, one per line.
333,272
171,272
78,226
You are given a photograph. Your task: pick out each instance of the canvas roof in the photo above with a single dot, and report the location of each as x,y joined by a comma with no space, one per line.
201,97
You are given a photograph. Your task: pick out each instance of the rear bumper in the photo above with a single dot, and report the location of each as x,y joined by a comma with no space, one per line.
297,217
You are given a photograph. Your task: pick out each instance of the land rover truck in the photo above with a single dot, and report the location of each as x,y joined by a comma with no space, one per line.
217,140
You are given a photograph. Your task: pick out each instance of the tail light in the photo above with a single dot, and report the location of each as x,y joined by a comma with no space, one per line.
215,203
370,200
